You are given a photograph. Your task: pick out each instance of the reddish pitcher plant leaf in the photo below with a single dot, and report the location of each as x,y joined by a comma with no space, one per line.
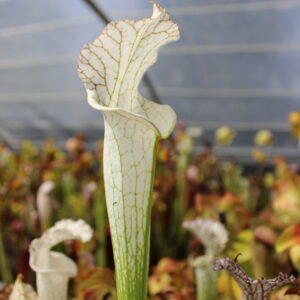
111,68
289,238
96,284
252,289
293,291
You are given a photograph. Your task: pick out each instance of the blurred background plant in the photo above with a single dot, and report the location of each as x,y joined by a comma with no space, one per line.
260,208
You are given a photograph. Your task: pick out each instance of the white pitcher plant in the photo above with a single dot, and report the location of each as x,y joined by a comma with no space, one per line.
22,291
111,68
44,203
214,237
53,269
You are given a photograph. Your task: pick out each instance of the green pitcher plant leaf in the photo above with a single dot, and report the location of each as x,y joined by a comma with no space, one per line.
54,269
111,68
295,256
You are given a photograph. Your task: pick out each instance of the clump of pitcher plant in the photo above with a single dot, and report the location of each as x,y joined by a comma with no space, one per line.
294,120
259,156
252,289
263,138
214,237
225,135
111,68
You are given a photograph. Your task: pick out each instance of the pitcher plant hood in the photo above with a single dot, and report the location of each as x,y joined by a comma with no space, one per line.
54,269
112,66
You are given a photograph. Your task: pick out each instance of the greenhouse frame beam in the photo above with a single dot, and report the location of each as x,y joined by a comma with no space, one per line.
95,125
171,92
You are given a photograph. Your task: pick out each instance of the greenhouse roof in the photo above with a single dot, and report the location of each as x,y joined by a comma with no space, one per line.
237,64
